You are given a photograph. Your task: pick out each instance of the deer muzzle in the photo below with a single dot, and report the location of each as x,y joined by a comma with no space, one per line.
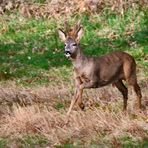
67,54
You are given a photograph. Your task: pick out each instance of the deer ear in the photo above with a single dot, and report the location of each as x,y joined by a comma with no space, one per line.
79,34
62,35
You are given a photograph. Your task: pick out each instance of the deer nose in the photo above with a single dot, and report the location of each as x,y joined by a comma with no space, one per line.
67,52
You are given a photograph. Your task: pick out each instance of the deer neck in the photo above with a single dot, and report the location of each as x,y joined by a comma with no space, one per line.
79,60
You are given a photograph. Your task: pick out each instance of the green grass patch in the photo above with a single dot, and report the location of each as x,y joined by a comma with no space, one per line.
33,141
59,106
104,33
129,142
3,143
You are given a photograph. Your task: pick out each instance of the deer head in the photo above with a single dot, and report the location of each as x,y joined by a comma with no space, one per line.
71,38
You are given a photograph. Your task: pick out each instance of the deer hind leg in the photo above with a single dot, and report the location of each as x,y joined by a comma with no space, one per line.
138,93
124,91
131,78
133,81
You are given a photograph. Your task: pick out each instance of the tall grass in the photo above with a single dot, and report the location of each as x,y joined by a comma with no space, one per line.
37,116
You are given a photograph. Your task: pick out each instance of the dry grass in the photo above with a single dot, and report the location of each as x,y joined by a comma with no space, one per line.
102,122
58,9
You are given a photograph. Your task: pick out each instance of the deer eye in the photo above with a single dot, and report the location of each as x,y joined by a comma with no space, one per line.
74,44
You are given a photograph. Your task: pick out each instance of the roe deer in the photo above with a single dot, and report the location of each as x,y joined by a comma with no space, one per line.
95,72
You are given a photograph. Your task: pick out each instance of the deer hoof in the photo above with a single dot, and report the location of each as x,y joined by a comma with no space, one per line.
82,106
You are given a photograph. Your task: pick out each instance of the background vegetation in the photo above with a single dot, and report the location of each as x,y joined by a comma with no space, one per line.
36,83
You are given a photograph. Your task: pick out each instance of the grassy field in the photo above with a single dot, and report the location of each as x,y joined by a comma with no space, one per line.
36,83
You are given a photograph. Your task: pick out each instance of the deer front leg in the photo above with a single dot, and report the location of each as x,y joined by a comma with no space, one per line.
80,100
73,101
77,97
90,84
78,93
